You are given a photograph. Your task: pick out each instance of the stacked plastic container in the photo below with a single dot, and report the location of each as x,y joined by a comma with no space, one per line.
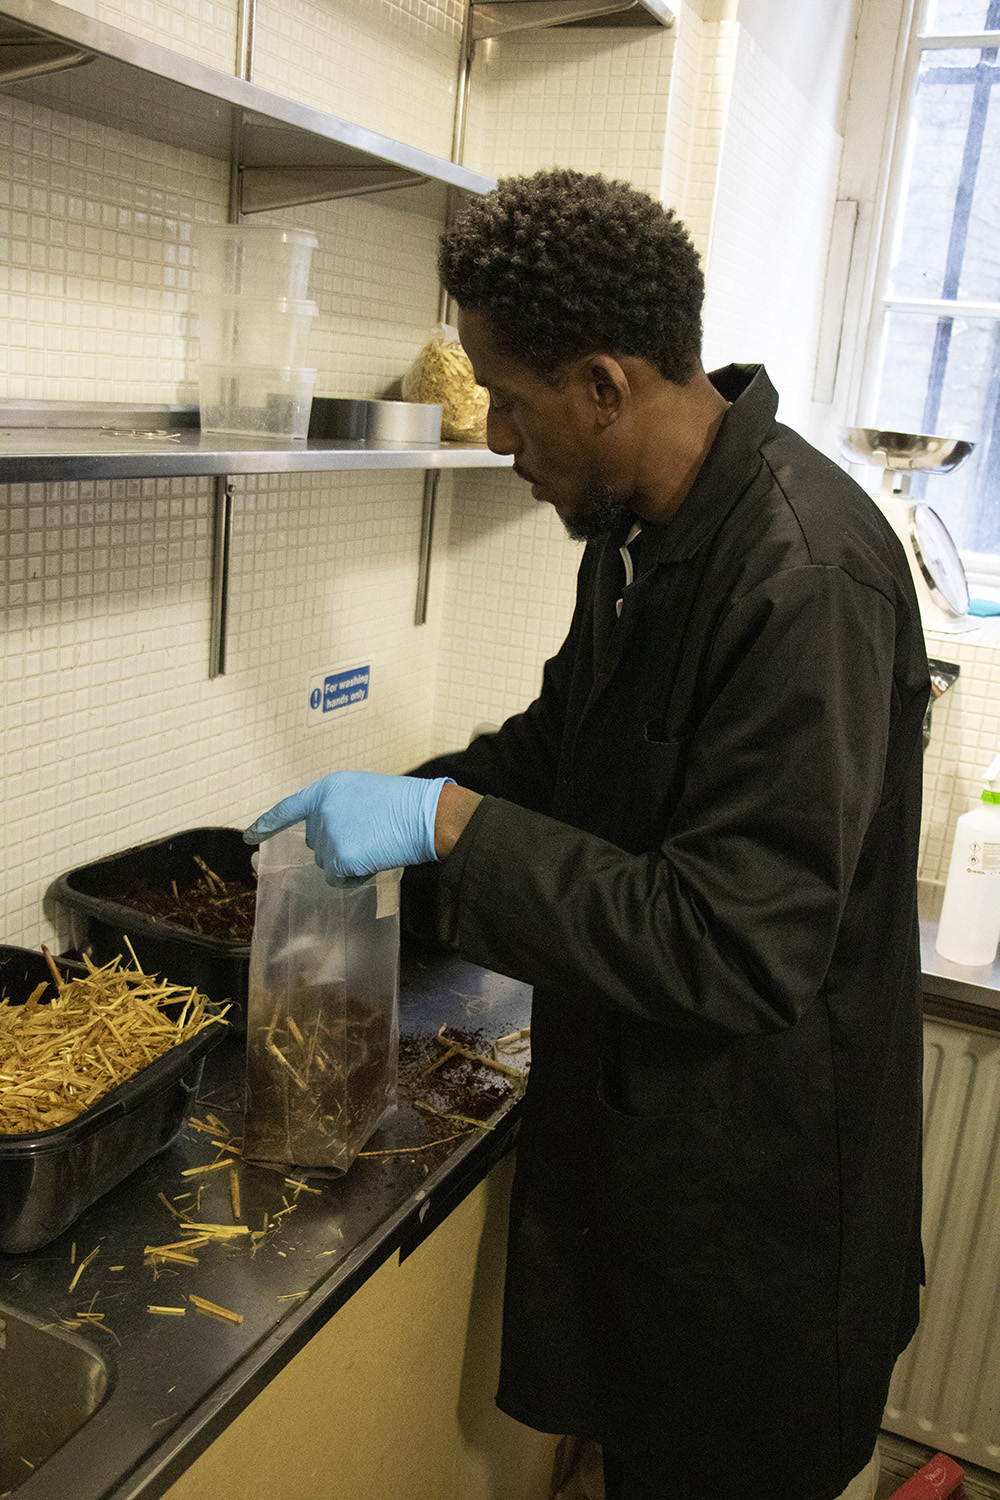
254,323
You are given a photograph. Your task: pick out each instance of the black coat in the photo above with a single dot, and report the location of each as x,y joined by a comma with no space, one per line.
699,845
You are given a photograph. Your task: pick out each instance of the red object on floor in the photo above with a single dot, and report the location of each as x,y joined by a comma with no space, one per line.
938,1477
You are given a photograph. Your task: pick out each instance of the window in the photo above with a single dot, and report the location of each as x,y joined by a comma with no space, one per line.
934,362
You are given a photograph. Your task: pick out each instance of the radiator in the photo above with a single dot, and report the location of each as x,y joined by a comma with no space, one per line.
945,1390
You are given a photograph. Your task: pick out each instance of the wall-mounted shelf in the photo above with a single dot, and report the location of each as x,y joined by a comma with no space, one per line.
498,17
287,152
52,455
122,441
280,153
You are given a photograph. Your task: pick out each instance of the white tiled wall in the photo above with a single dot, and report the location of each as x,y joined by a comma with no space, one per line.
95,274
113,732
389,64
203,29
965,736
594,99
508,601
374,281
700,87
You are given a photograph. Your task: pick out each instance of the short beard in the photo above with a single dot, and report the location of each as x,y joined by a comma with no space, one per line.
601,512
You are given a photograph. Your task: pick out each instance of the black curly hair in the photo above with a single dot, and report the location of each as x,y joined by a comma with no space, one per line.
567,263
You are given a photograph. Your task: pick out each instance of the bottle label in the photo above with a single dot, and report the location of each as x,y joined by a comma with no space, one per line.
982,857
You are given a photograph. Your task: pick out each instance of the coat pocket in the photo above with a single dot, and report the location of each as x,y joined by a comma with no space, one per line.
659,1186
657,769
661,732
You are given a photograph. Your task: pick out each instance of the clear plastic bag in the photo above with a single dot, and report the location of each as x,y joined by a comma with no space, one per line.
442,372
322,1013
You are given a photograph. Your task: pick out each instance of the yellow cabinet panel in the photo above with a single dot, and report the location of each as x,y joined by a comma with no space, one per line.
393,1399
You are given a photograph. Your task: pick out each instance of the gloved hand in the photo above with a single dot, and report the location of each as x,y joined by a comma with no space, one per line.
359,822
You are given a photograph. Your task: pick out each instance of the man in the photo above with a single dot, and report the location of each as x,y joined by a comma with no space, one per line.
699,845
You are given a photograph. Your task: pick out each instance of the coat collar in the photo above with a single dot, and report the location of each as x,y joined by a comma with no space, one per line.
731,463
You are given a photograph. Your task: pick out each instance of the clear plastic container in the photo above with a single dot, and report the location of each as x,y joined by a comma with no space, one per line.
254,260
259,400
254,330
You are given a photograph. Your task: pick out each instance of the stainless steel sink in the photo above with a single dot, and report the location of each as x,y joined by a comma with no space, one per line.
51,1382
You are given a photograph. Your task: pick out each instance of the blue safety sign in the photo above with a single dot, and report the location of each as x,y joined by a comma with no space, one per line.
339,690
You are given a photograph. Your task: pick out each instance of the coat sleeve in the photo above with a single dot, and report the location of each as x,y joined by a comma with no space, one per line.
729,925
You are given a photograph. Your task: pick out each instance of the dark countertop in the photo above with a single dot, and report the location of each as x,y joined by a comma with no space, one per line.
177,1382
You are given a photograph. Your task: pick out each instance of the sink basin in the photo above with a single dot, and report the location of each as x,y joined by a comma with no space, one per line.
51,1382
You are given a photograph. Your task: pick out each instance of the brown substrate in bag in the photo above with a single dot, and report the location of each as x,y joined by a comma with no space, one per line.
316,1092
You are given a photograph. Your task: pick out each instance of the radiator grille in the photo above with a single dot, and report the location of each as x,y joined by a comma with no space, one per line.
945,1390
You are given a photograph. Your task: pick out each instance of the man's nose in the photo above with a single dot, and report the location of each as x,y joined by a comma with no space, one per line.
501,434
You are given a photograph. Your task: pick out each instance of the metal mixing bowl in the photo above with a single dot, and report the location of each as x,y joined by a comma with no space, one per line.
902,450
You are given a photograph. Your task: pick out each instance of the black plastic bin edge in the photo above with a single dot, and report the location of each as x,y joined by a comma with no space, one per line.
100,923
51,1176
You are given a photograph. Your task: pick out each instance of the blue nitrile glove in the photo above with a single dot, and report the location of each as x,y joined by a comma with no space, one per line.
359,822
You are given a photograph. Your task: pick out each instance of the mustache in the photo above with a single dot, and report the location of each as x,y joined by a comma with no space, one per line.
522,474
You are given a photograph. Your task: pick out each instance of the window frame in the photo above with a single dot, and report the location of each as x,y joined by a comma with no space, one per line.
874,181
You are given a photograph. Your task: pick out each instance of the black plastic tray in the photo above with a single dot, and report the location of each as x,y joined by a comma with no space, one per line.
101,922
50,1176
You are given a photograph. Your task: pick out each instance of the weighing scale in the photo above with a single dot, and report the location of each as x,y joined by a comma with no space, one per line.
938,572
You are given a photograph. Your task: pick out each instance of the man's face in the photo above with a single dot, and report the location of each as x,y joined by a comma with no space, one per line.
549,430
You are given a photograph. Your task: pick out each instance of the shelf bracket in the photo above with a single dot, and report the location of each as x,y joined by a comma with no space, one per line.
222,539
431,478
498,17
266,188
28,55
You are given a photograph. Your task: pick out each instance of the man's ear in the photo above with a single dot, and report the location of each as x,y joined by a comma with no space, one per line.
608,387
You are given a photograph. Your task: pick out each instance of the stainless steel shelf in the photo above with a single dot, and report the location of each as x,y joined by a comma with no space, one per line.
287,152
280,153
499,17
46,455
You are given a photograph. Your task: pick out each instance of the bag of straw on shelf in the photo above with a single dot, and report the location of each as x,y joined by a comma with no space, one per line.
442,372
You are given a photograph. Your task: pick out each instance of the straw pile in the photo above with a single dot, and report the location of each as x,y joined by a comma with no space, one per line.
442,372
59,1058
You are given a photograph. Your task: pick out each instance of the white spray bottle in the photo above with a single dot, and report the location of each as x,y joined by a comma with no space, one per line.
969,930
